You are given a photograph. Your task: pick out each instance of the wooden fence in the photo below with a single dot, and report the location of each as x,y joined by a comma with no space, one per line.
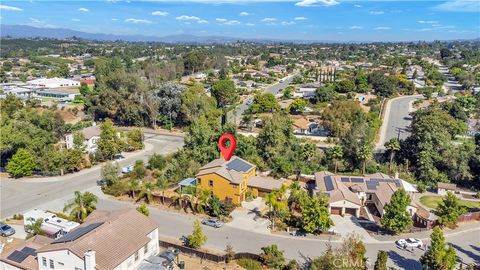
205,255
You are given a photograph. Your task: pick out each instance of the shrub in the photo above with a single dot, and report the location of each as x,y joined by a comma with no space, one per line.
421,188
142,208
273,257
157,161
116,189
229,254
249,264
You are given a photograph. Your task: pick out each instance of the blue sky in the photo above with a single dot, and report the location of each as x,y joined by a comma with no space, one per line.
334,20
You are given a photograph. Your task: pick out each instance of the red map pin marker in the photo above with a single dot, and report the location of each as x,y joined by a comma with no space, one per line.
227,152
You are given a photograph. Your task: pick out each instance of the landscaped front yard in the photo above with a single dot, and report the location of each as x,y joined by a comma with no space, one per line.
432,202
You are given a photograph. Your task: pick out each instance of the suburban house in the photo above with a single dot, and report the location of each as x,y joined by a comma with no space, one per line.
106,240
230,180
305,92
348,194
91,136
52,225
443,188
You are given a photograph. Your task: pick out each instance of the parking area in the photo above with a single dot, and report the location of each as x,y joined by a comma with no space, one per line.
248,217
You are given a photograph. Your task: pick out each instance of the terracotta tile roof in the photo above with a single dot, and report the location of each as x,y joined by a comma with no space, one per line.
30,262
301,123
122,233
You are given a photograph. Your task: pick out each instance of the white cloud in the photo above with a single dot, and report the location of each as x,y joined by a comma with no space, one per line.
75,20
300,18
382,28
114,19
159,13
10,8
287,23
243,13
355,27
376,12
268,19
202,21
40,23
357,5
250,24
221,20
459,6
232,22
83,9
313,3
137,21
187,18
428,22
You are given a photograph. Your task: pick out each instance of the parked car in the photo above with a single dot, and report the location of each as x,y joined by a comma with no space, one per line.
410,243
6,230
118,157
127,169
212,222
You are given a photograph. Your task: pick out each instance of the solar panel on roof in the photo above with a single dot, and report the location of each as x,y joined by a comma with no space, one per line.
357,180
17,256
328,183
75,234
238,165
372,185
29,251
345,179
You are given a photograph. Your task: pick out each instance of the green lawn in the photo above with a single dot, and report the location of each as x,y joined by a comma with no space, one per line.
432,202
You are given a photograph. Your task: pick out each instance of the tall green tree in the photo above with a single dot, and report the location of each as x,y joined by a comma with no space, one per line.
396,217
146,192
315,216
35,228
21,164
381,262
438,255
392,146
109,172
226,95
110,143
336,153
365,155
197,238
82,205
133,185
449,209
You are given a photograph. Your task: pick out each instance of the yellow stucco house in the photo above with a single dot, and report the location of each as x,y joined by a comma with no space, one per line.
230,180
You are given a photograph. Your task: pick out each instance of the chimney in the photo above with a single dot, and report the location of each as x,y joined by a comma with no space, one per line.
396,175
89,260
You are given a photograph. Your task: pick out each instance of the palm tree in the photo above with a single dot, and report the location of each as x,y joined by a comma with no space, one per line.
35,228
162,185
203,199
393,145
365,155
82,205
134,185
147,192
337,154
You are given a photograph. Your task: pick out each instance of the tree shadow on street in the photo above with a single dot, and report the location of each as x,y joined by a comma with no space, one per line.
402,262
471,254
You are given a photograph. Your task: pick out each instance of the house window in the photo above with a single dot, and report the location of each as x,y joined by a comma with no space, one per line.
145,249
199,181
52,265
44,261
210,183
136,256
61,263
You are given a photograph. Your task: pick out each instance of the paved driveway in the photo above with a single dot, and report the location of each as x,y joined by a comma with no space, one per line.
349,224
247,217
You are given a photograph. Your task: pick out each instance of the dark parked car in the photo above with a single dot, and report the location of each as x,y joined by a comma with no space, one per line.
6,230
213,222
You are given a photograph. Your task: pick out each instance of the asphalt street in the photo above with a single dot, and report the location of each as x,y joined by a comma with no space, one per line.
274,89
20,195
397,119
175,225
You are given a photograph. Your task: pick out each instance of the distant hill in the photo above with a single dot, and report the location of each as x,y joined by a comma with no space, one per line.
25,31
